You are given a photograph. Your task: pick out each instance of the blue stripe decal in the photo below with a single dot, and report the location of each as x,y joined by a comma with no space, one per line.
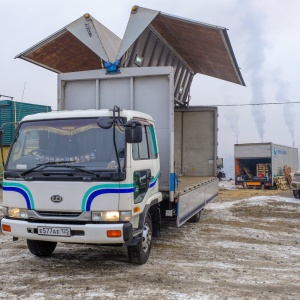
172,182
93,195
20,191
152,184
153,181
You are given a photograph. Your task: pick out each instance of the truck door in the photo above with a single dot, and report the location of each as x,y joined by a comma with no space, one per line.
142,166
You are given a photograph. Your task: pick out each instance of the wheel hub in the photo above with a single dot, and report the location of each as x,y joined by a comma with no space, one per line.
146,238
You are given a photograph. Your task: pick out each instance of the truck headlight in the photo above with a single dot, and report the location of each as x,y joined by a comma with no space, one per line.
16,213
106,216
111,216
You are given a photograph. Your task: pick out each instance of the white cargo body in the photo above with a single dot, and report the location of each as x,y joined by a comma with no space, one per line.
257,164
187,138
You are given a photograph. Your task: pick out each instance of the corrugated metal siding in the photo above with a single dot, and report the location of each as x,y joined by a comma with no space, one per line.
283,155
155,53
13,111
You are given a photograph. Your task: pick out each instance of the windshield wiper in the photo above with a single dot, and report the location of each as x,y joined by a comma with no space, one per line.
60,164
77,169
42,166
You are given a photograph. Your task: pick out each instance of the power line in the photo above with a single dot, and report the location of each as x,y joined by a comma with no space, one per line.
266,103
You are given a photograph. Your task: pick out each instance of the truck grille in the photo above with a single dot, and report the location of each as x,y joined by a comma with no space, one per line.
59,214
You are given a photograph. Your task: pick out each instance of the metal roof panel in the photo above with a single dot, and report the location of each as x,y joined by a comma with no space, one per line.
79,46
205,48
64,53
83,44
138,21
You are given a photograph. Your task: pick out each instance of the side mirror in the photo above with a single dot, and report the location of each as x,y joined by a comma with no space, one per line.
133,132
105,122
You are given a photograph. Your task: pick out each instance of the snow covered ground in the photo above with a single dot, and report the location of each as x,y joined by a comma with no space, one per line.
246,246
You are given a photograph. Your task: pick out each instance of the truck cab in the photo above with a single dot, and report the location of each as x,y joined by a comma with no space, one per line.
83,177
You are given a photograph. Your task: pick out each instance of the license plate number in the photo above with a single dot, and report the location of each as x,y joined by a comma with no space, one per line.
56,231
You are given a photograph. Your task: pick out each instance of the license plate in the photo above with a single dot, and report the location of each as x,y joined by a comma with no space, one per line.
56,231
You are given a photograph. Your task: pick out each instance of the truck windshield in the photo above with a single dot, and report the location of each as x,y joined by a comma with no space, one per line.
77,142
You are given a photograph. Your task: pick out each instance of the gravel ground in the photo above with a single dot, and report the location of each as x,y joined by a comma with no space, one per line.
246,246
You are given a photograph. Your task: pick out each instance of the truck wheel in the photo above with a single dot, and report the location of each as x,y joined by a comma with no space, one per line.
296,194
195,218
139,254
41,248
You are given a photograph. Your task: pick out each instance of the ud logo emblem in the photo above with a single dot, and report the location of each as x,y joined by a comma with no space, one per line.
56,198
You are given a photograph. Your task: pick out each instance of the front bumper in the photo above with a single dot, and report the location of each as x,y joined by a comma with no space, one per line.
83,234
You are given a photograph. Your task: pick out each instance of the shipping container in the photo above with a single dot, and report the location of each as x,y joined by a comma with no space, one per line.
257,164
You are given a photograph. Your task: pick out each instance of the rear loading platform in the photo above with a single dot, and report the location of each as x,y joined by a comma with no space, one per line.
253,172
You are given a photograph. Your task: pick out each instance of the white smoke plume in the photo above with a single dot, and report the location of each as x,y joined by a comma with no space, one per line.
255,58
289,111
233,117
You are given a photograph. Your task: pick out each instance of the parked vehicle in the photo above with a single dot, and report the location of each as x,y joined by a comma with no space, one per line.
125,147
257,164
296,184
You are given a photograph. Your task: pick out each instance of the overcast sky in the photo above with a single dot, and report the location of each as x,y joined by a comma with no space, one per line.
264,35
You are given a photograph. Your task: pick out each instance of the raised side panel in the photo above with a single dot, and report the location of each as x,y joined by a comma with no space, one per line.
198,144
196,141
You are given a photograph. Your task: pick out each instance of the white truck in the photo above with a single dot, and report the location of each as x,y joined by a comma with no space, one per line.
123,150
258,164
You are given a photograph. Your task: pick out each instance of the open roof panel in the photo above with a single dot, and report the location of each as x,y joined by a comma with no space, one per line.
79,46
203,48
152,38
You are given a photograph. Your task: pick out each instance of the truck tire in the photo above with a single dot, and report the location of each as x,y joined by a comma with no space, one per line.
139,254
296,194
196,217
41,248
